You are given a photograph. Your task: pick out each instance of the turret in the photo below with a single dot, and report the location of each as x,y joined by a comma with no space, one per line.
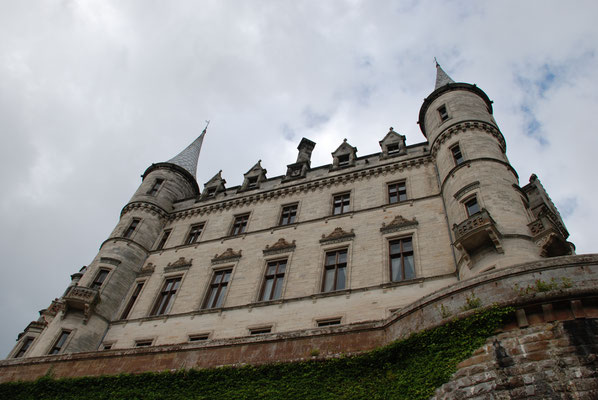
486,209
77,320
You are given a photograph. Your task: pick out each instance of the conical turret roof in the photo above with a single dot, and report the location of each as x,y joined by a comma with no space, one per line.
442,77
187,159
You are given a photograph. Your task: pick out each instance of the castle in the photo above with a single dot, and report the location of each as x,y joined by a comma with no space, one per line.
321,251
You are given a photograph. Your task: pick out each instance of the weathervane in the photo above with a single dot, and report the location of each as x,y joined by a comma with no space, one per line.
207,123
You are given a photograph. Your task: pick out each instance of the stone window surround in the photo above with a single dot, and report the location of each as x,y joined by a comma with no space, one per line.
129,296
53,343
318,290
199,337
391,236
96,270
282,207
447,113
452,155
132,228
396,182
324,322
96,276
138,342
202,226
342,193
234,220
165,233
22,342
261,329
260,286
208,284
478,197
156,186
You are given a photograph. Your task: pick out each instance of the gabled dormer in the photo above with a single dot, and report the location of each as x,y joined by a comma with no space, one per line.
393,144
214,186
254,177
344,156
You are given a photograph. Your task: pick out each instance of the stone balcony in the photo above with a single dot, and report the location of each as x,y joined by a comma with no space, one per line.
79,298
475,233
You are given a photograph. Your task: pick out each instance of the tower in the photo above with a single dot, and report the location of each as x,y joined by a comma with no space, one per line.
486,209
78,320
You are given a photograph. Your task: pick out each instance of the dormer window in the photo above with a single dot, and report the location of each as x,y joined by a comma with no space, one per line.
155,187
393,144
213,186
443,113
211,192
251,182
392,149
254,177
343,160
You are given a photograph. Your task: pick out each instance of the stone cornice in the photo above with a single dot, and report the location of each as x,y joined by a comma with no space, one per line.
229,255
146,207
398,224
452,130
338,235
281,246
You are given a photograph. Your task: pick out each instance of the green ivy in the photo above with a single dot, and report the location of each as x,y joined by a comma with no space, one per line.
408,369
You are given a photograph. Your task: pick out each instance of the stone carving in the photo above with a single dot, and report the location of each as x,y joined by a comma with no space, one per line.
397,224
536,227
228,255
81,298
474,222
337,235
281,246
178,265
148,269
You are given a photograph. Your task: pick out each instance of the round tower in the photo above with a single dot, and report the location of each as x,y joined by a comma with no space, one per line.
486,209
90,303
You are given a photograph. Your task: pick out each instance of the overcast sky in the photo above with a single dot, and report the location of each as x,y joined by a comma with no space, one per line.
93,92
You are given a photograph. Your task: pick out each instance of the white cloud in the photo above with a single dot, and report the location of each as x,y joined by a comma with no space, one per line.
91,93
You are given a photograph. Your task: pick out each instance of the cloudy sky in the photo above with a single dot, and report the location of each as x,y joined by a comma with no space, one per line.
93,92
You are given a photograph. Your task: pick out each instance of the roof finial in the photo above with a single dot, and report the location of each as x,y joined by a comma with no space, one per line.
188,158
442,77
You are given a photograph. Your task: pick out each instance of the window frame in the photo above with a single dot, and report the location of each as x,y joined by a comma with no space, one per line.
275,278
26,343
133,225
456,148
132,299
336,268
397,184
60,343
443,113
332,321
219,298
260,330
252,182
192,235
243,224
171,294
402,254
163,239
144,342
466,201
344,208
292,212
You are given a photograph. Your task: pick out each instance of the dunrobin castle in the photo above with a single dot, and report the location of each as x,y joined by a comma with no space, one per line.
341,258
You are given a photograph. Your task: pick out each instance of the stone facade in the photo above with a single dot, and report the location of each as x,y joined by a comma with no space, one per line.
346,244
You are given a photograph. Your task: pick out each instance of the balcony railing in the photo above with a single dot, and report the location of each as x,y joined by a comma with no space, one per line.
81,298
476,232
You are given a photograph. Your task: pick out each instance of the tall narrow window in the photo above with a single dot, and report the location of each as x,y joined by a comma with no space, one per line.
335,271
273,280
341,203
194,233
239,225
397,192
166,297
401,260
457,156
472,206
443,113
100,278
24,347
59,344
288,214
132,227
132,300
163,239
215,297
155,187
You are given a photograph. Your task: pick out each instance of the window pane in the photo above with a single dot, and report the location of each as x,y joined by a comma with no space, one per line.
407,245
396,269
331,259
342,256
282,267
217,277
395,247
210,302
226,276
340,279
329,280
221,297
176,285
271,269
278,288
267,289
409,269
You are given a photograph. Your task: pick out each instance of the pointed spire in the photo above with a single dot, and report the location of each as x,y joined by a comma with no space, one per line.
188,158
442,77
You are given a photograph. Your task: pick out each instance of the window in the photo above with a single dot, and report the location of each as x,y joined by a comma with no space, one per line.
166,297
132,300
251,182
392,149
218,288
272,288
24,347
194,233
211,191
341,203
131,228
107,346
397,192
329,322
144,343
335,270
443,113
59,344
163,240
343,160
155,187
240,224
471,206
260,331
401,260
199,337
457,156
100,278
288,214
